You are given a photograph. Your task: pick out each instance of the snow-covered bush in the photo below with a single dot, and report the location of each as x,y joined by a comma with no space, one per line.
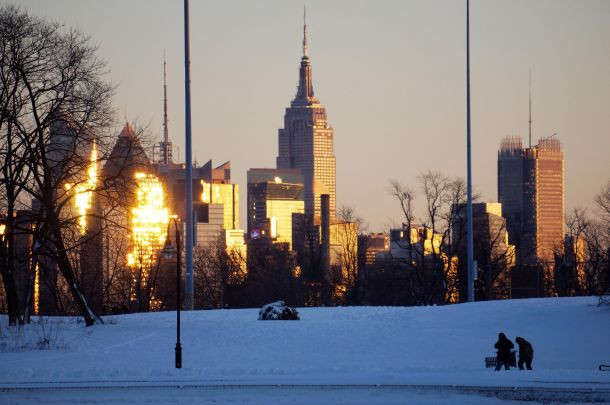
277,311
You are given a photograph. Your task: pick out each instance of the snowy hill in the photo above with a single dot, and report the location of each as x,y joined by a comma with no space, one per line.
360,345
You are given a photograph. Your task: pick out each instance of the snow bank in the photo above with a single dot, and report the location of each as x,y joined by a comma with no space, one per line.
357,345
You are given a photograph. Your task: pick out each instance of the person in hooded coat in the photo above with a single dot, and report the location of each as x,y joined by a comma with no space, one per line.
504,345
526,353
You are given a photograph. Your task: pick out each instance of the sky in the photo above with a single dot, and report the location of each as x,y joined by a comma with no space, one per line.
392,75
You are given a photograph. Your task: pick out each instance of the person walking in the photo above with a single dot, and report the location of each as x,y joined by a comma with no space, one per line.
504,345
526,353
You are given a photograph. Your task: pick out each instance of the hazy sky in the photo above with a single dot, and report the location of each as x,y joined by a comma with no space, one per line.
390,73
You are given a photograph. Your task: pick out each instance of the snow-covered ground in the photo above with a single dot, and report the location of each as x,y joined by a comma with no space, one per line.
359,346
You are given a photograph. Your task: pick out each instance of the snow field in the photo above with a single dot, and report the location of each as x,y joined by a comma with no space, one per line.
357,345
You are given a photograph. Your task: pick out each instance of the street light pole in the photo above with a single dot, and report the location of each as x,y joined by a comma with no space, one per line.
168,253
189,285
178,349
470,240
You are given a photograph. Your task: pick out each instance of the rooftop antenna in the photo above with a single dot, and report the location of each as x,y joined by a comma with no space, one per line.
530,98
304,30
165,133
166,145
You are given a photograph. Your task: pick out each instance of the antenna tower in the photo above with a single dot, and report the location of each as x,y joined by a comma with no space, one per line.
166,145
530,98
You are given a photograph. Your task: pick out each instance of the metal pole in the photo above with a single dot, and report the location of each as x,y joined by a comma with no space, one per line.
178,349
469,164
189,290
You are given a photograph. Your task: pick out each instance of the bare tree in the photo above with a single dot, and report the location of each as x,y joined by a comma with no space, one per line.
425,251
495,260
602,200
570,255
271,273
597,264
117,276
14,173
346,231
217,269
59,106
599,241
582,262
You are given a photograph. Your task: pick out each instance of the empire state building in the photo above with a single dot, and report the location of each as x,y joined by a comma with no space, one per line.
306,141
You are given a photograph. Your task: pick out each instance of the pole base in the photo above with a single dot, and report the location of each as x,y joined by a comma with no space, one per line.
178,355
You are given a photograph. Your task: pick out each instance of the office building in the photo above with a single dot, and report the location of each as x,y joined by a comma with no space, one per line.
306,142
531,191
373,245
272,201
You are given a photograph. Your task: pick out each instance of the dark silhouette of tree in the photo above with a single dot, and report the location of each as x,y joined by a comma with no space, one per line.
218,271
425,252
271,274
55,107
346,229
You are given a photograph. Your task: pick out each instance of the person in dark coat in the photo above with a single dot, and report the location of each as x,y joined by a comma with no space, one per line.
504,345
526,353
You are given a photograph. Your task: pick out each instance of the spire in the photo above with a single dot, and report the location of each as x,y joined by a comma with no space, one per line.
530,98
165,145
165,130
304,31
128,131
305,89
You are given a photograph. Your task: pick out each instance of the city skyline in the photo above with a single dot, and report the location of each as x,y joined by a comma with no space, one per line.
395,89
126,273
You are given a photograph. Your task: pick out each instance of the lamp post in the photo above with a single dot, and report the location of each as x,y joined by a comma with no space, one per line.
168,253
188,273
469,230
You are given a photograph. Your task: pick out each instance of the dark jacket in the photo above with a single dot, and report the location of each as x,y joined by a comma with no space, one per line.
526,352
503,345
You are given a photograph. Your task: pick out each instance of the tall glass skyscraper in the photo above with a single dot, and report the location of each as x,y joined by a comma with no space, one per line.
306,142
531,190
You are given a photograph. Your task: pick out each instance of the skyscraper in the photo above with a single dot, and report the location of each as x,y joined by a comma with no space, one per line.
306,142
531,190
510,184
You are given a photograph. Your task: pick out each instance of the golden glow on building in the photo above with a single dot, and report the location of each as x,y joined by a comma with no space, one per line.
279,213
149,219
236,248
344,253
83,192
37,290
228,196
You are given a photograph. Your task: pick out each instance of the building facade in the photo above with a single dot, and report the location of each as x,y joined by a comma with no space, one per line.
272,202
510,184
375,244
306,142
531,191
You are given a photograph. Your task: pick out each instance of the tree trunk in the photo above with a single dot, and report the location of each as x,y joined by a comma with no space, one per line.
63,263
10,287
